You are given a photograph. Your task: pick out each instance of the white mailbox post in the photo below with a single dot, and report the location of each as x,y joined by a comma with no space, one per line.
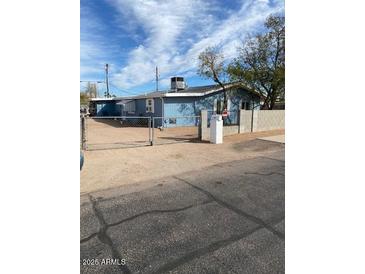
216,129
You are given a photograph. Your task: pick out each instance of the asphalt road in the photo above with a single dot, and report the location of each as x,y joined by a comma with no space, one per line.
228,218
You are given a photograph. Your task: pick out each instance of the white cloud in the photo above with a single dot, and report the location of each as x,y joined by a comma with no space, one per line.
167,26
91,52
175,32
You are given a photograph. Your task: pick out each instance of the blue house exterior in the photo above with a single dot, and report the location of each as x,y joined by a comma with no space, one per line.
105,107
177,107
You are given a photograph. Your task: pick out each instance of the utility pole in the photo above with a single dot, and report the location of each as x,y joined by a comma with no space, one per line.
107,80
156,78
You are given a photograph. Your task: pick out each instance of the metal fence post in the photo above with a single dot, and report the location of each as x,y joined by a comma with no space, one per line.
150,119
83,137
86,132
153,130
199,127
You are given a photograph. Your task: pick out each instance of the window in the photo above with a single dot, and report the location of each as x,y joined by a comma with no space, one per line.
219,106
245,105
130,107
149,105
228,104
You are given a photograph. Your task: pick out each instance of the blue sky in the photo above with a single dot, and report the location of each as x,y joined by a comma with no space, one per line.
133,36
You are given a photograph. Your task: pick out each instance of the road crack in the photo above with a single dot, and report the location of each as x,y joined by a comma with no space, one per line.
156,211
208,249
252,218
104,238
88,238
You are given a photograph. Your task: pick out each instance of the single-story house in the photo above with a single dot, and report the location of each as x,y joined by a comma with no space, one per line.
178,101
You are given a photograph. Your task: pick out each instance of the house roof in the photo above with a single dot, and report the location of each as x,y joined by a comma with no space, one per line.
102,99
124,101
202,90
188,92
150,95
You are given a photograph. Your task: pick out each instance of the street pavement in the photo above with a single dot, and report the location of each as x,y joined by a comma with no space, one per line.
227,218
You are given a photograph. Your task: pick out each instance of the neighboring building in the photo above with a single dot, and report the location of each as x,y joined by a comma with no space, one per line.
178,101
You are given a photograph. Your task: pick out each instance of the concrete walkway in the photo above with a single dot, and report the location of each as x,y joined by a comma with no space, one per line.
277,139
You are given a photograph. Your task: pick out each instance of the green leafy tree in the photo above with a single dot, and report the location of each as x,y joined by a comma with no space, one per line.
260,64
211,66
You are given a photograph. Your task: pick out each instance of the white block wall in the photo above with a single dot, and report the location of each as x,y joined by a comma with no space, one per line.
258,120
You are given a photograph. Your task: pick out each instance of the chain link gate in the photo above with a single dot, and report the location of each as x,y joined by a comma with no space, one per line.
175,129
116,132
100,133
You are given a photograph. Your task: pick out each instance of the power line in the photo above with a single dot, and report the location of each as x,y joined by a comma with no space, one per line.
122,90
107,83
91,81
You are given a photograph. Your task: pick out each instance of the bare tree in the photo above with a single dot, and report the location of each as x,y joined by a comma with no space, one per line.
211,66
84,98
91,90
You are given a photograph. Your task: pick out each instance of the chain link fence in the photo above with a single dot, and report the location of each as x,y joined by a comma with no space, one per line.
116,132
126,131
167,130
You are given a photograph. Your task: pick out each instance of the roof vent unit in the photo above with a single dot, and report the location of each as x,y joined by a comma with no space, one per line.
177,83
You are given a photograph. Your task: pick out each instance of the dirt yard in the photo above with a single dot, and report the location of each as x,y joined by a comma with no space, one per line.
104,169
110,133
